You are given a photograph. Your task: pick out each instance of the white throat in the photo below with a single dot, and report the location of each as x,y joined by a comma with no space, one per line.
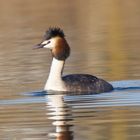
55,81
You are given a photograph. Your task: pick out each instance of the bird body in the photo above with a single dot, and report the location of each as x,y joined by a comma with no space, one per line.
54,40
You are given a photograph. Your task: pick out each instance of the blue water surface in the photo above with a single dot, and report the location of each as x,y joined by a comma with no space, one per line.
126,93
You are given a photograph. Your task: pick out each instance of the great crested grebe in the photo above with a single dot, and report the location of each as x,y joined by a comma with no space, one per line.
54,40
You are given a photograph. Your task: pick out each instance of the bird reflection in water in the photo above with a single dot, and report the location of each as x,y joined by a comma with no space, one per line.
60,112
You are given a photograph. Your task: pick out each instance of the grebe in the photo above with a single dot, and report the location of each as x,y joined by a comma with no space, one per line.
54,40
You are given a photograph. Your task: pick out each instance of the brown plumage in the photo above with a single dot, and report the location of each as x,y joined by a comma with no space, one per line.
61,50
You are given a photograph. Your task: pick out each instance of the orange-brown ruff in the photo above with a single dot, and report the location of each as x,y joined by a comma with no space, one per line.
54,40
62,50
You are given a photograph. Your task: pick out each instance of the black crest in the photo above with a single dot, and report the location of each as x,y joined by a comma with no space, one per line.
53,32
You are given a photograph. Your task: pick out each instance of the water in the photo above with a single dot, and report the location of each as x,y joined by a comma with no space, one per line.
104,38
40,115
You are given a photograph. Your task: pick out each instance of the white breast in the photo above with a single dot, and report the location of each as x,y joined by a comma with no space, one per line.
55,81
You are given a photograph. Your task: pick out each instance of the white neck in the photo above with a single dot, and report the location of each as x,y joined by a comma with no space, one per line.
55,81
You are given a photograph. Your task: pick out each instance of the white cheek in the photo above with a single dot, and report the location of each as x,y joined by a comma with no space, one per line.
50,45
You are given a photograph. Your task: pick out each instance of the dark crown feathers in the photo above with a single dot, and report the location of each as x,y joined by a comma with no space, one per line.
53,32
